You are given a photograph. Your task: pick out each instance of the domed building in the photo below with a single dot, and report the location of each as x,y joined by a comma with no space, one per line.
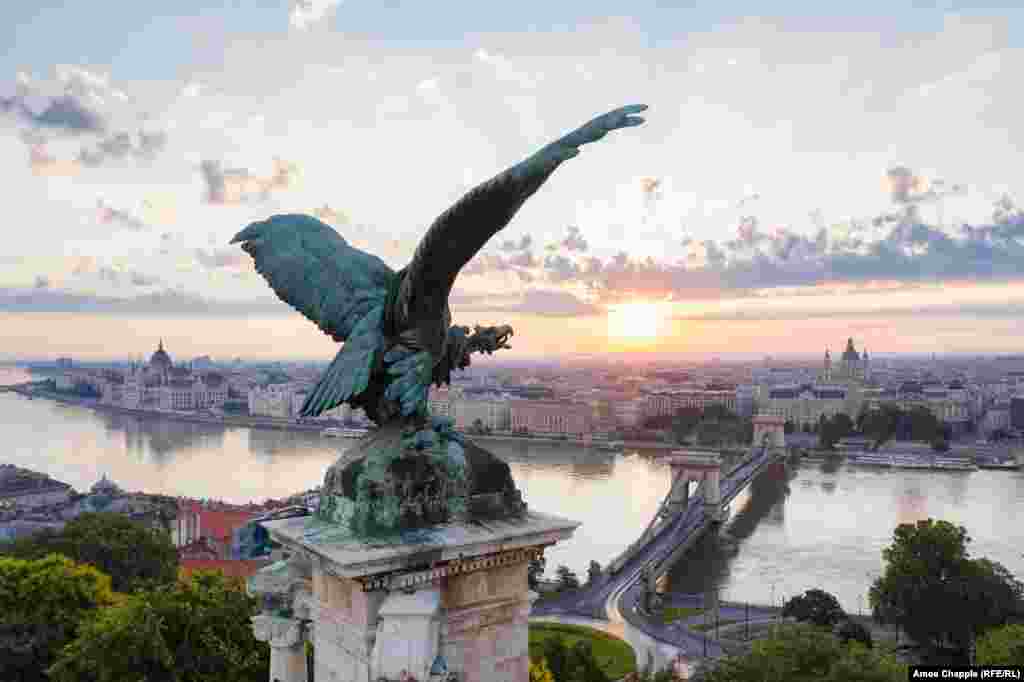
160,361
853,367
161,384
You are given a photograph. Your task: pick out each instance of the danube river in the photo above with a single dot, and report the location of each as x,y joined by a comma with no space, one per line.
816,525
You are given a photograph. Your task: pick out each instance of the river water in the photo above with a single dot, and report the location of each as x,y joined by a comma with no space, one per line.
815,525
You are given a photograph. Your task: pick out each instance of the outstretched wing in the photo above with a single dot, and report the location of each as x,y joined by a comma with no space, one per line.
349,373
461,231
313,269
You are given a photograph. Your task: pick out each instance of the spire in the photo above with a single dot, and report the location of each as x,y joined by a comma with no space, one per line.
161,346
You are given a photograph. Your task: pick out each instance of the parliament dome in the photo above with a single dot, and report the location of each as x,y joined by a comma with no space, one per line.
160,360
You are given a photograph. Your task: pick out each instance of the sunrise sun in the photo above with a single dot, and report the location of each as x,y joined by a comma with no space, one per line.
633,322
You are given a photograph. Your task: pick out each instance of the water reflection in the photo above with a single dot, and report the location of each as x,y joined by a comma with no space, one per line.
822,524
708,565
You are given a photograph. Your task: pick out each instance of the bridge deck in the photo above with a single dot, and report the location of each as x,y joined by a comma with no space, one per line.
616,594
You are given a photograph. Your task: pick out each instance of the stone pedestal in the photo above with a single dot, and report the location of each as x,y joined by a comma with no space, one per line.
287,651
452,597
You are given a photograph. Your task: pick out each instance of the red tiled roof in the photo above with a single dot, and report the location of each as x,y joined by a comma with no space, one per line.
244,568
219,524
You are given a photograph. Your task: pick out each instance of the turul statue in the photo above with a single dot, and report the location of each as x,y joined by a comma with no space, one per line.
398,337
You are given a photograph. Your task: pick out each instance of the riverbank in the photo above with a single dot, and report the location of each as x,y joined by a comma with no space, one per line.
226,420
29,391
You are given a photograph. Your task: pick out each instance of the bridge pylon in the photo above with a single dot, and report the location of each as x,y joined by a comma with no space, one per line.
770,430
696,465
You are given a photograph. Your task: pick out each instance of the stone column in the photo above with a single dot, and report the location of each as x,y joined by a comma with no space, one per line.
287,653
680,488
713,494
407,634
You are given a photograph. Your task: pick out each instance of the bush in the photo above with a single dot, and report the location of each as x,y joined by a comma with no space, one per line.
852,631
816,607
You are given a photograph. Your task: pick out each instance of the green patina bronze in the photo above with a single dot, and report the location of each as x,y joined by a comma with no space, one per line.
398,339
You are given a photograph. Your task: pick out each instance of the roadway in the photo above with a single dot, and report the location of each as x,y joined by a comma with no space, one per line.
616,597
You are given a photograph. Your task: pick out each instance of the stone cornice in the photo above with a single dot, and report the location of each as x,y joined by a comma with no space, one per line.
277,631
411,579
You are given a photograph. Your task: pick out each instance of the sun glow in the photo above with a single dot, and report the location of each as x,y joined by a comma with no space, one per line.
634,322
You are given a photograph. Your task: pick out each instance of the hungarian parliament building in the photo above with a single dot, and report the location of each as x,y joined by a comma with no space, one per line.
158,385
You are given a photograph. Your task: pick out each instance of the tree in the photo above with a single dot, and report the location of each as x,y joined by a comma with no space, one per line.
535,571
1001,646
804,653
593,572
197,630
540,672
131,553
43,602
567,579
881,424
932,589
852,631
576,664
817,607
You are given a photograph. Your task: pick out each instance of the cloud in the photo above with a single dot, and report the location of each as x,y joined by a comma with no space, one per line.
89,270
238,185
332,216
109,215
42,162
85,107
1006,310
303,14
524,243
164,303
226,257
544,302
575,241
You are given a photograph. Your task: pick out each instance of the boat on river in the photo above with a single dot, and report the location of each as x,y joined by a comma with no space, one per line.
335,432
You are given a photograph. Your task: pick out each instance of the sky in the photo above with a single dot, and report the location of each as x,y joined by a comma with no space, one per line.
802,177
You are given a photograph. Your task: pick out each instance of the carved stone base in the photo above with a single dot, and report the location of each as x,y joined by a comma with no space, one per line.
401,478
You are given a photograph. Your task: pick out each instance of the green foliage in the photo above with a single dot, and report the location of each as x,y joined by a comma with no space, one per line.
131,553
831,431
805,653
932,589
816,607
197,630
567,579
575,663
540,672
673,613
43,603
1001,646
852,631
555,642
880,425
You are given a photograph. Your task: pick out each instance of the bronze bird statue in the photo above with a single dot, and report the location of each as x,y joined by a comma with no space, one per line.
396,326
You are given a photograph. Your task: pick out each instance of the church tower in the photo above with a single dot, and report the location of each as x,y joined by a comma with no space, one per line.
826,376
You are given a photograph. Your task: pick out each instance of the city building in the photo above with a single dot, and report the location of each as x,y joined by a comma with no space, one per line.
853,367
28,489
951,404
550,417
493,414
275,400
1017,413
806,404
668,401
216,529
